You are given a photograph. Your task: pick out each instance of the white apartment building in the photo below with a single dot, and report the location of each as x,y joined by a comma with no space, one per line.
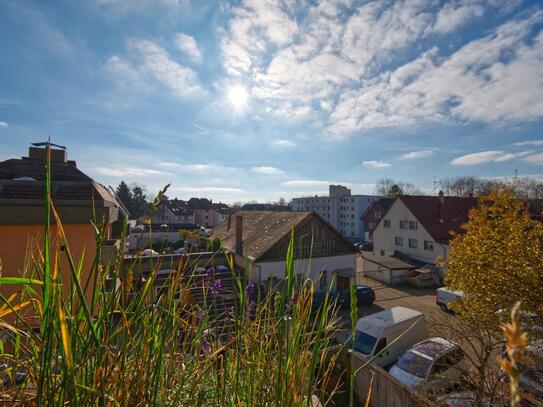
340,209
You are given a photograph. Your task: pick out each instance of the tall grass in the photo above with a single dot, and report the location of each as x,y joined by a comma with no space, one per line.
94,342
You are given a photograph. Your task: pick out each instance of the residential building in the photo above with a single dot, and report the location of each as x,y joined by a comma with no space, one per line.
200,211
259,241
173,211
373,215
78,199
340,209
420,226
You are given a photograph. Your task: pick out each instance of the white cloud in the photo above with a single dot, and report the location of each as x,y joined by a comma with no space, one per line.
536,159
306,183
122,171
333,73
477,158
412,155
512,156
450,17
267,170
188,45
3,125
158,64
484,157
375,164
283,143
530,143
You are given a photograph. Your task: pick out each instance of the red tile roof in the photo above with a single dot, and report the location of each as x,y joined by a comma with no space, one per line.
439,219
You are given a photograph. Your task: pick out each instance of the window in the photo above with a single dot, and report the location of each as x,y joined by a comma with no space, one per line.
377,215
429,245
398,240
412,225
413,243
371,225
352,216
403,224
386,223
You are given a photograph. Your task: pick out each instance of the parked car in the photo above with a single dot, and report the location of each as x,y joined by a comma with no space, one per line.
433,364
364,296
445,297
366,247
181,250
374,332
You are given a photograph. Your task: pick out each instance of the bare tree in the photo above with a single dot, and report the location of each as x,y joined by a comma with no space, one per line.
389,188
481,345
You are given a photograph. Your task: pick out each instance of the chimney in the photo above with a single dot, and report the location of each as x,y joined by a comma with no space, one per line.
239,235
57,155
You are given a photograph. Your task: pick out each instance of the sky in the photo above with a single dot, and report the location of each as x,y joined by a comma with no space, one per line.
256,100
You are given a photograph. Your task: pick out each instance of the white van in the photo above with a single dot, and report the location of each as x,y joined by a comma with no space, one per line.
445,297
374,332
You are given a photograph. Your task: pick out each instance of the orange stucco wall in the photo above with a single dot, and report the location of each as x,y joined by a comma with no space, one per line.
16,239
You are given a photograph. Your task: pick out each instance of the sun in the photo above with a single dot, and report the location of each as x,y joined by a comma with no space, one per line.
238,96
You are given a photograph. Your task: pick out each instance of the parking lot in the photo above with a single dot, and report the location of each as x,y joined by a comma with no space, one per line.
420,299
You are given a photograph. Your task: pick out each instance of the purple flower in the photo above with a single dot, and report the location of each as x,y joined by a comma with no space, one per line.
216,286
293,299
249,289
211,272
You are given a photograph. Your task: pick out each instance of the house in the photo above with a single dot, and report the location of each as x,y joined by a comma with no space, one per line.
259,241
173,211
199,211
78,199
373,215
340,209
417,230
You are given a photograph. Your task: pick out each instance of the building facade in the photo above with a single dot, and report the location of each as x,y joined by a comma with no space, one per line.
78,200
420,226
340,209
373,215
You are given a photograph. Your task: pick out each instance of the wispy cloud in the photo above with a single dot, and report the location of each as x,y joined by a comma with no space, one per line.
188,45
129,172
210,189
481,157
413,155
283,143
529,143
484,157
3,125
306,182
375,164
267,170
534,159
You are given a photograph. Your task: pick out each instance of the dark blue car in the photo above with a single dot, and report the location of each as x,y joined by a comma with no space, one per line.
364,296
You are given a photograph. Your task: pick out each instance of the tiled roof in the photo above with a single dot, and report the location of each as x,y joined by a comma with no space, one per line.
179,207
261,230
439,219
383,203
200,203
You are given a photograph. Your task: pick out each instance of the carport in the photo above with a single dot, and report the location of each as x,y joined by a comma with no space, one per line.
387,269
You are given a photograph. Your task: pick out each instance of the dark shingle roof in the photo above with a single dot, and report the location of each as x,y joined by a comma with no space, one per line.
261,230
439,219
383,203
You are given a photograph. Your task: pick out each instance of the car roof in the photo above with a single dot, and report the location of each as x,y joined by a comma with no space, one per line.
389,317
433,347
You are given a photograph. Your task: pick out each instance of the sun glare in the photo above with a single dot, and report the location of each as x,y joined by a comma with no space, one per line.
238,97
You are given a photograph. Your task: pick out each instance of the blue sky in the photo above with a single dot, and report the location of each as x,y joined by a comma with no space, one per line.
261,100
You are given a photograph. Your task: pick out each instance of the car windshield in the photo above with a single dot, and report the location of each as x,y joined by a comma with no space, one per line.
414,364
363,343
